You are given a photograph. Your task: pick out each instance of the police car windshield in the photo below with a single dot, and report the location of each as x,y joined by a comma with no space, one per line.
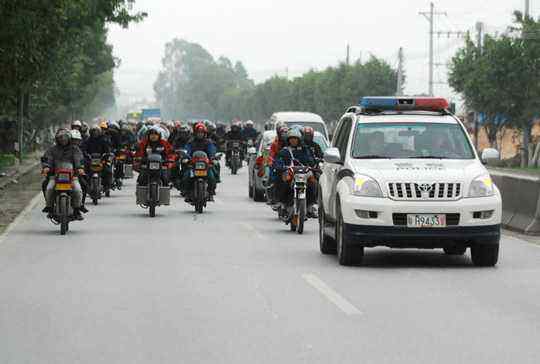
411,140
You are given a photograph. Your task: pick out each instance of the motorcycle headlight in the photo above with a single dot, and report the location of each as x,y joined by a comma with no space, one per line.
482,187
364,186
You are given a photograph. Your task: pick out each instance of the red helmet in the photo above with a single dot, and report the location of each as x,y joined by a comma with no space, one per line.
200,127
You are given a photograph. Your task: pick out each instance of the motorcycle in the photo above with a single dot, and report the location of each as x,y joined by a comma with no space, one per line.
63,189
296,214
96,169
120,167
200,165
153,193
235,162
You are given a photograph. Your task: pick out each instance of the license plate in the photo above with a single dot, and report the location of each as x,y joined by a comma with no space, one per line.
63,186
121,157
201,173
426,221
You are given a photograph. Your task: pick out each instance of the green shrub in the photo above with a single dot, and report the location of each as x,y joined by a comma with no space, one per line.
7,160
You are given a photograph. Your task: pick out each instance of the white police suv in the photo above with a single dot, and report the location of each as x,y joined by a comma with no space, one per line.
402,173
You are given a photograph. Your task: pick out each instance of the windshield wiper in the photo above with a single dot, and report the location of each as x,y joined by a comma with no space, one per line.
427,157
374,156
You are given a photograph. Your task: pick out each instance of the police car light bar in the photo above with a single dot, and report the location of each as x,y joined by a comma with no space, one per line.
404,103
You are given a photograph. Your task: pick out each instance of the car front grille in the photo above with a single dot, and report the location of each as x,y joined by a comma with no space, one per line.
401,219
406,191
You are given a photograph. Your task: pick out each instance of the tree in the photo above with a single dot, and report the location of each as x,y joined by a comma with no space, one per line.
502,80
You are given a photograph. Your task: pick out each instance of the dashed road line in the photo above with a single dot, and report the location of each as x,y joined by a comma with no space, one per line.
334,297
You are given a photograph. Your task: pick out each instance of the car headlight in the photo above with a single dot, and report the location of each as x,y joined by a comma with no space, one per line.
366,187
482,187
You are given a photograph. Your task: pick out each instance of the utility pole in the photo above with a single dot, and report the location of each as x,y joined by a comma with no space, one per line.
479,36
348,60
399,88
528,127
430,16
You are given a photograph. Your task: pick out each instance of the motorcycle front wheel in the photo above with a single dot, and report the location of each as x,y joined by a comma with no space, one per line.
63,208
301,216
152,210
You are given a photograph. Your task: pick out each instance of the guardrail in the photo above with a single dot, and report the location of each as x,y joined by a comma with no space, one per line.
521,201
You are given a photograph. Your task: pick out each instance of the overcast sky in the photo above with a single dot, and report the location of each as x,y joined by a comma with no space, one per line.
271,36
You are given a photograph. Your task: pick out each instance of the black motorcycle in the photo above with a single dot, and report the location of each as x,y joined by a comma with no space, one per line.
200,167
95,179
62,210
235,161
152,192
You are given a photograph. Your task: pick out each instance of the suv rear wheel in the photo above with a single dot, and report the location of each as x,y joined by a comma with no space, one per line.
347,253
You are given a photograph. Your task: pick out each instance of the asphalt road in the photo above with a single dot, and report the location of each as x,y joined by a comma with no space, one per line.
235,286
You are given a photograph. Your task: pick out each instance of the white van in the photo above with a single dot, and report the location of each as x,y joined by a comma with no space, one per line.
292,118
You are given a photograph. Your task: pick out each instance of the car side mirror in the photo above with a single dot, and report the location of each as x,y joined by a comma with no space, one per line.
489,155
332,155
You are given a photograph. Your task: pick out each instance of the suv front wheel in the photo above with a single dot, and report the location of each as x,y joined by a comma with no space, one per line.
347,253
485,255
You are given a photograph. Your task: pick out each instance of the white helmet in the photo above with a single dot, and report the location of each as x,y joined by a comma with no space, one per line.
76,123
75,134
249,123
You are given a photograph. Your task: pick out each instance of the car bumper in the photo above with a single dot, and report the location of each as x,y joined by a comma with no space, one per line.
386,208
402,237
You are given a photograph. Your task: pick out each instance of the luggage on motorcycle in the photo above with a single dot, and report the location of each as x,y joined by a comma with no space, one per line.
143,195
128,171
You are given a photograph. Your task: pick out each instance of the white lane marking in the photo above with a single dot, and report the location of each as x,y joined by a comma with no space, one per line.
253,230
21,216
331,295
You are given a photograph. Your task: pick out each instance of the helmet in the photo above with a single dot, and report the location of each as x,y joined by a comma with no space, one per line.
309,133
62,137
177,124
235,128
75,134
279,125
249,123
211,127
294,133
200,128
84,127
282,133
76,124
153,130
95,131
103,125
114,125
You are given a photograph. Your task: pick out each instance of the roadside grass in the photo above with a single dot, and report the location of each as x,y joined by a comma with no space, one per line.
7,160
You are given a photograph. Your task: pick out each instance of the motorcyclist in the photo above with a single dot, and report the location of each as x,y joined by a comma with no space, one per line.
277,145
76,140
127,137
294,154
98,144
212,135
309,135
113,131
250,133
201,142
85,129
156,145
63,152
235,134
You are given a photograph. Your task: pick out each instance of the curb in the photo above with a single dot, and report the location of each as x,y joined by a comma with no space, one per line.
20,173
35,200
